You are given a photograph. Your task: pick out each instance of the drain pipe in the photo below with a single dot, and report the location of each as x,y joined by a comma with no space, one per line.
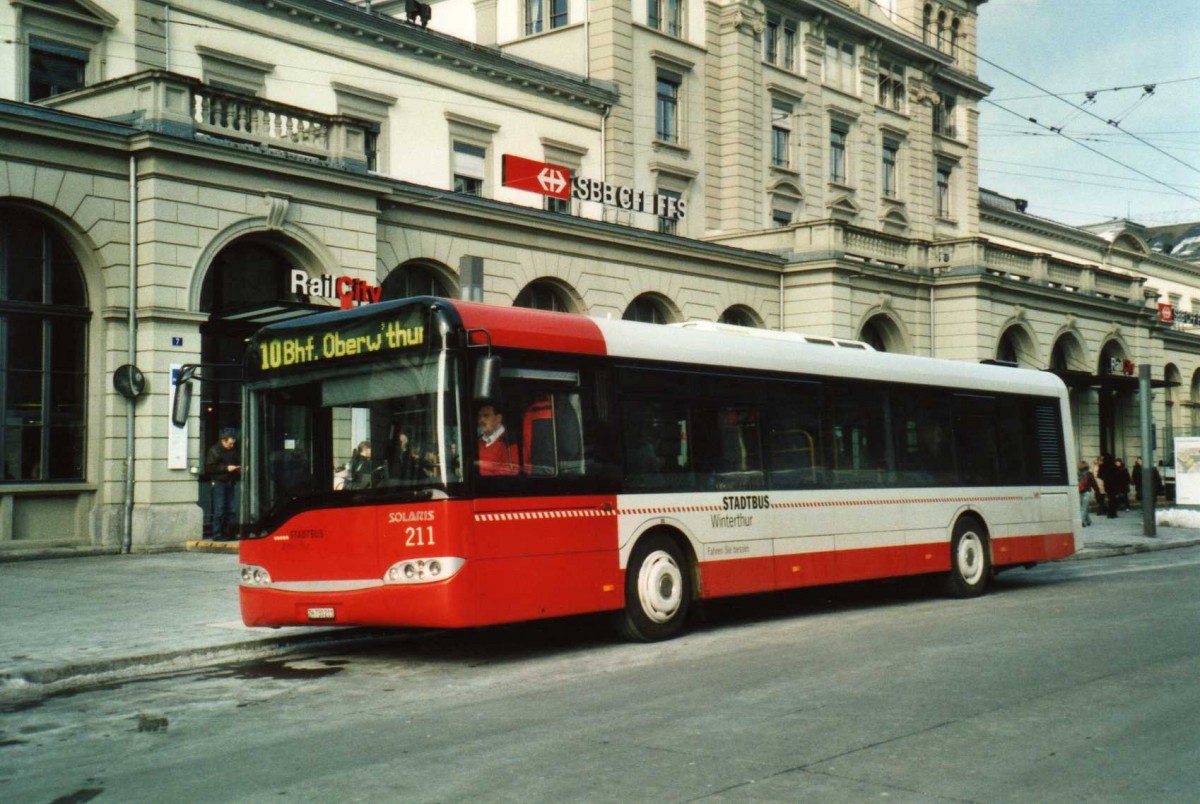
132,352
932,323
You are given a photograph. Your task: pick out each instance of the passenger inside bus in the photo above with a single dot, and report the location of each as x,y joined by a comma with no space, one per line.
496,456
362,472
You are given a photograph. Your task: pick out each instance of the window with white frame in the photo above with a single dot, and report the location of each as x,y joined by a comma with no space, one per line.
470,168
666,112
62,46
840,65
669,224
839,133
55,68
470,146
944,194
665,16
782,113
889,167
787,46
565,155
779,41
536,12
890,89
945,114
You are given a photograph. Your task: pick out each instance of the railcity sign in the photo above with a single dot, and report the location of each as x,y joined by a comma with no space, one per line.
345,289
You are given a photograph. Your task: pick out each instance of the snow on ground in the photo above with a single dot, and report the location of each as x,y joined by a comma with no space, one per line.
1178,518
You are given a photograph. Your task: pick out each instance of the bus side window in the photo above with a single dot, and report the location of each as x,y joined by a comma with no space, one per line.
794,439
728,448
551,438
859,448
975,439
656,444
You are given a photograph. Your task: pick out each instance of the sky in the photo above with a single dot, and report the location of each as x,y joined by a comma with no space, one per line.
1070,48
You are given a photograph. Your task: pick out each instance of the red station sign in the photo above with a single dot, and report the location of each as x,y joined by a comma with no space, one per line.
537,177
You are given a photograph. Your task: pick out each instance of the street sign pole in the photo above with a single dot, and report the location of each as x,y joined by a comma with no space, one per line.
1146,492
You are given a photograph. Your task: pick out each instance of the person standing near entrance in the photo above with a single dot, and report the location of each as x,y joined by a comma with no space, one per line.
220,464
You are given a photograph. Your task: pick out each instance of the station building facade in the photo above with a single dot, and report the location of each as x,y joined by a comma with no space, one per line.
172,177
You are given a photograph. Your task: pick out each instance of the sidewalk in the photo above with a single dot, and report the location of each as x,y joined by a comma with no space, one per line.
73,621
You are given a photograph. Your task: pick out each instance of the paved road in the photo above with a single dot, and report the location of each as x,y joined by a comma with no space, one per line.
1073,681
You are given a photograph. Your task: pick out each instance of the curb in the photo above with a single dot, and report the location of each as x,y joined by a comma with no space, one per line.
210,546
19,687
1112,551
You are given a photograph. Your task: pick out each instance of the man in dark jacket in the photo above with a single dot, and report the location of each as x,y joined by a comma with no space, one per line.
221,466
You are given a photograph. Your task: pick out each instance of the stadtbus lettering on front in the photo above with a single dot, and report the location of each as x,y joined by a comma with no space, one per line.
616,466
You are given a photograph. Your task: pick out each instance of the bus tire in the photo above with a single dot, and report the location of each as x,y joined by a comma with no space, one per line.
658,590
970,559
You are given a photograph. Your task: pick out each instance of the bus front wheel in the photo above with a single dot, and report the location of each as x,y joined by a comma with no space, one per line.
657,590
970,560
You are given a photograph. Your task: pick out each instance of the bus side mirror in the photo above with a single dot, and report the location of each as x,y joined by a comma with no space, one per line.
183,403
487,379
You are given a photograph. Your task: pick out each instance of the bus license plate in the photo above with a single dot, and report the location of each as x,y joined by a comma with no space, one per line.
322,613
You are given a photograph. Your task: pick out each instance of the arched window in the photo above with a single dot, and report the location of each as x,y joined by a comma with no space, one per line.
1017,347
954,38
415,280
543,295
649,310
927,25
738,316
43,340
941,30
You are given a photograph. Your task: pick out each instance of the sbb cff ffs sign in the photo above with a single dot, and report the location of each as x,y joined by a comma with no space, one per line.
537,177
557,181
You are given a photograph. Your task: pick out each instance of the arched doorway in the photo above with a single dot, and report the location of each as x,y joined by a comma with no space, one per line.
1069,361
1116,398
882,334
1172,380
247,285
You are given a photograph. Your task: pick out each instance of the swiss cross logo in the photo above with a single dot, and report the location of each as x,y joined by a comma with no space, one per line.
537,177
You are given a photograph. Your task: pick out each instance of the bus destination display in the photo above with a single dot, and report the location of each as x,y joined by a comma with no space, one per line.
374,338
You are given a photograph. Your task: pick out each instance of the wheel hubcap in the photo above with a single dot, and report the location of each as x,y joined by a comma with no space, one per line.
970,558
660,586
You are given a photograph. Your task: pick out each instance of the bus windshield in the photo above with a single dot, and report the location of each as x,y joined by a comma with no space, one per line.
371,432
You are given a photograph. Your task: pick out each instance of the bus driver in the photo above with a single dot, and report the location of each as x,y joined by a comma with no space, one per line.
496,456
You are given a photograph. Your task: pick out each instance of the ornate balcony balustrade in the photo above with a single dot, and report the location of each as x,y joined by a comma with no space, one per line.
175,104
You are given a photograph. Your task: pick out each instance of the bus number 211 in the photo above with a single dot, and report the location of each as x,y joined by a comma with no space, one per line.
418,536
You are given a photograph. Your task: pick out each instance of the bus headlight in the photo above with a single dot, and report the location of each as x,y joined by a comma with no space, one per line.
255,576
423,570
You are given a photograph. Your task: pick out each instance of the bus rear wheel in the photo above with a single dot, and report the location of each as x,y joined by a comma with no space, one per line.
658,590
970,560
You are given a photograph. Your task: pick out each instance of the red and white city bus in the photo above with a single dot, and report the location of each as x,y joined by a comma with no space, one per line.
646,467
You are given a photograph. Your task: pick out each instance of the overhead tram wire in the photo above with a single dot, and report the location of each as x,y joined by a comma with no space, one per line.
1094,150
1142,85
1057,96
